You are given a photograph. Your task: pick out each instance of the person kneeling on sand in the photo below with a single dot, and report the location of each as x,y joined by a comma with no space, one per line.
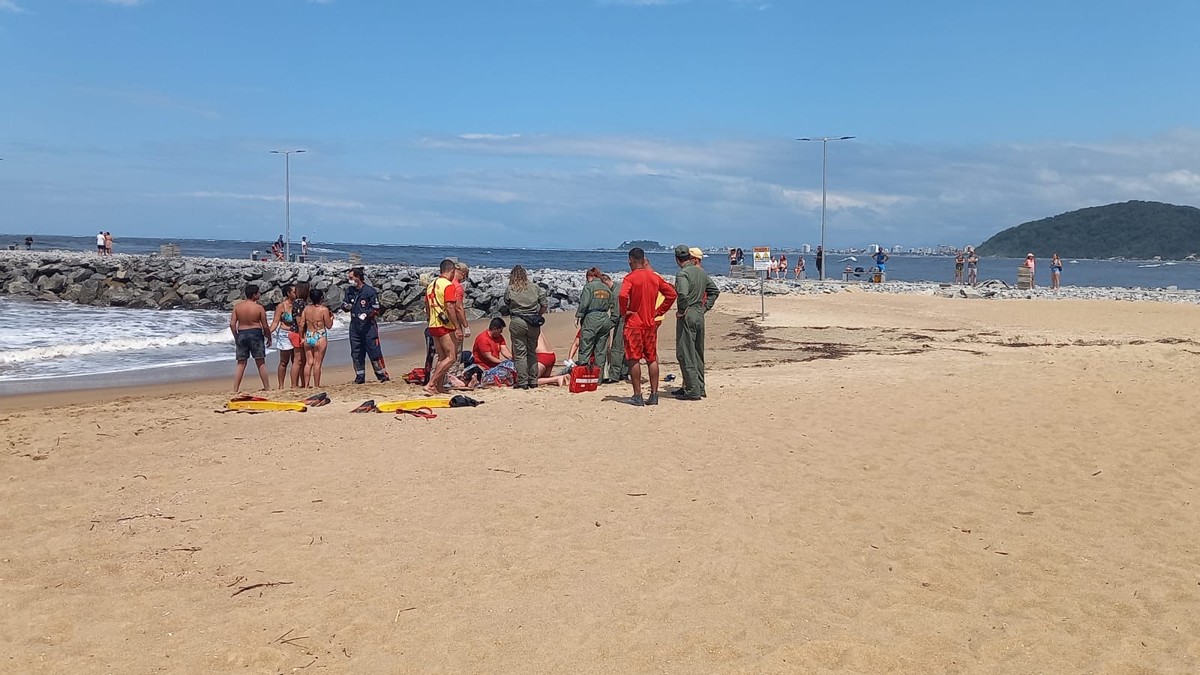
251,336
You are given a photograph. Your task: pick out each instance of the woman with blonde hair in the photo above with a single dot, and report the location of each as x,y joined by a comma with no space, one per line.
527,304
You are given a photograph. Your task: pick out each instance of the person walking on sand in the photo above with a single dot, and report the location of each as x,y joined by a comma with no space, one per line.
640,306
594,319
1031,263
696,296
441,305
527,305
316,322
285,331
1055,271
363,304
972,267
251,336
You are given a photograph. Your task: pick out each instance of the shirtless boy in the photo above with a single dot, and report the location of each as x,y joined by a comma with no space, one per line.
251,335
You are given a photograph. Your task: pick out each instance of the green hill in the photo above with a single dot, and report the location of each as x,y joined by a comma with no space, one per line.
1127,230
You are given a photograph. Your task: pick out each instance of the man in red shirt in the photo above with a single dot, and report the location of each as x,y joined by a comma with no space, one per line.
490,348
639,305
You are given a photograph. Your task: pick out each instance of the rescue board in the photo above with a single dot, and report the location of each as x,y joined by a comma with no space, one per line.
393,406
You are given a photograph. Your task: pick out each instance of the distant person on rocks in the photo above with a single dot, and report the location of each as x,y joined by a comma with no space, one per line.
783,266
972,267
696,296
527,305
251,336
800,267
881,257
594,320
108,243
820,263
640,306
441,302
304,249
28,243
101,248
363,304
315,323
959,259
732,259
1031,263
1055,271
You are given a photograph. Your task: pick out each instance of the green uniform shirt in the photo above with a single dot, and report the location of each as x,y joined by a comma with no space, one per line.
695,288
595,297
614,312
528,300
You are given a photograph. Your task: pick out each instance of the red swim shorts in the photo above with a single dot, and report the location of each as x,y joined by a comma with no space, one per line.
440,331
641,343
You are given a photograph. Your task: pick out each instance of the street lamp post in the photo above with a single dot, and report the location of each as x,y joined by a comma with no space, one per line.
824,162
287,200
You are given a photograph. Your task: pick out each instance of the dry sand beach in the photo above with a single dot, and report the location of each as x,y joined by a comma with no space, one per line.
876,483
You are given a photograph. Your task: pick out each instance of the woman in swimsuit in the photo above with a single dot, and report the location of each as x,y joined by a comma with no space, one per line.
800,267
286,336
783,266
546,360
972,266
300,357
958,268
315,323
1055,270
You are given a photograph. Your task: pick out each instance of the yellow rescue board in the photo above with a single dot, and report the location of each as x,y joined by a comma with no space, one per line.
296,406
393,406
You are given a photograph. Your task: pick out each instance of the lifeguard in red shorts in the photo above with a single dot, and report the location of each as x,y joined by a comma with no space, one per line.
640,305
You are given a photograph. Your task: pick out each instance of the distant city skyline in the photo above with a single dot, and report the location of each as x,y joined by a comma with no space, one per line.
583,123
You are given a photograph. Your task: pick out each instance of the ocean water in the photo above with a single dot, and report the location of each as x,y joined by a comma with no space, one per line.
42,342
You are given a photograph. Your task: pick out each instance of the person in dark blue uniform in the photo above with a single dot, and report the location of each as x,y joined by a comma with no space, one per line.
363,304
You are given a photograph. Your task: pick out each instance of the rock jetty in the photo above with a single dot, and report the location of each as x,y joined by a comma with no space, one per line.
158,282
162,282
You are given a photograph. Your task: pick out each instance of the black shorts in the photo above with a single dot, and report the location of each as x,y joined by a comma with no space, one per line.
250,343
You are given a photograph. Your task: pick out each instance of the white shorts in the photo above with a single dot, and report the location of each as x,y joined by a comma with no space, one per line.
281,341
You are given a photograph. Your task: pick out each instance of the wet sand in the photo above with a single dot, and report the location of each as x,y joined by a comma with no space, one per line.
875,483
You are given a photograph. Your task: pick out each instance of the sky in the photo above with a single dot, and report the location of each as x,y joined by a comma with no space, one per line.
584,123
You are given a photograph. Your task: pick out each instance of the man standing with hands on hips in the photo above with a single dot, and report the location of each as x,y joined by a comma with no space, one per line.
363,304
638,304
697,295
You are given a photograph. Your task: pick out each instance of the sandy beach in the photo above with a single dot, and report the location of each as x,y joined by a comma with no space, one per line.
875,483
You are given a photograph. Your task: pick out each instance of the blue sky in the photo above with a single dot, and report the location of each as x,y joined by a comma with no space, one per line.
587,122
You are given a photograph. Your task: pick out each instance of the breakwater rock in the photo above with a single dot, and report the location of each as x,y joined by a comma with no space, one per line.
150,281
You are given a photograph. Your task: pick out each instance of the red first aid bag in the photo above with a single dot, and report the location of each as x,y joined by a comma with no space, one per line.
585,378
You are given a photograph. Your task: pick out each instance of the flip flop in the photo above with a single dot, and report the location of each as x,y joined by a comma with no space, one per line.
423,413
317,400
366,407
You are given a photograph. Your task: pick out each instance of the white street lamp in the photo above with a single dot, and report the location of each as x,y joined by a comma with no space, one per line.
824,155
287,200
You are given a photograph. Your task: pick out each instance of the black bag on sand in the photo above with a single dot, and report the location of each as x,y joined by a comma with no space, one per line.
461,401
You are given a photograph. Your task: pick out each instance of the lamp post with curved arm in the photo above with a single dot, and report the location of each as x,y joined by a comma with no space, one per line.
824,162
287,200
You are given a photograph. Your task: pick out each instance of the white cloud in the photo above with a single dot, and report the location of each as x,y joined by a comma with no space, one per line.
296,199
11,6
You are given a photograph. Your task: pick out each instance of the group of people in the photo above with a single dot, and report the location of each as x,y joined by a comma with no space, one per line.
1056,266
617,322
300,332
970,259
778,268
104,243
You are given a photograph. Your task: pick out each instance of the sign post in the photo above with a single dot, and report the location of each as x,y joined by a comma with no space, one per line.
762,263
